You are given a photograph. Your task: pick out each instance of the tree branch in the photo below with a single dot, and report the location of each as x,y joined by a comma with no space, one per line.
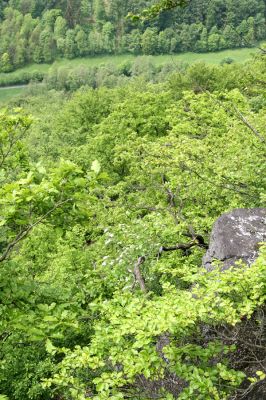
226,186
20,236
239,114
248,125
138,275
197,241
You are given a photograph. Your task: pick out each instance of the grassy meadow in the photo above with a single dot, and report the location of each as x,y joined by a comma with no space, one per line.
7,94
238,55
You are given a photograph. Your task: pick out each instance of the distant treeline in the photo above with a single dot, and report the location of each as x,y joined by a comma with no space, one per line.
41,31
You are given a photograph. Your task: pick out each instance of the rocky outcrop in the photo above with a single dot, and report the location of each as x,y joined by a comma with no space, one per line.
236,236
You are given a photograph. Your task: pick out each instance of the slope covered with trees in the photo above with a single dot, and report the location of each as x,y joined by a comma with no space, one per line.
40,31
107,200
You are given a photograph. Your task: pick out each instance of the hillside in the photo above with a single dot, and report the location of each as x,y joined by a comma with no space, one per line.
107,198
41,31
132,201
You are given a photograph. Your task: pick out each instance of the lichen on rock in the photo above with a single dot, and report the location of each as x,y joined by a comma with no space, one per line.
236,236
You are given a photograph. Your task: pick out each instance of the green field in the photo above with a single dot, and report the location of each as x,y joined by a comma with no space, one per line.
7,94
238,55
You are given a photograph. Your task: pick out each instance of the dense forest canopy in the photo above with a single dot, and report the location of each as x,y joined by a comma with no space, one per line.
95,187
110,181
40,31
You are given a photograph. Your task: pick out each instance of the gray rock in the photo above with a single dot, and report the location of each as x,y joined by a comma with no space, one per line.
236,236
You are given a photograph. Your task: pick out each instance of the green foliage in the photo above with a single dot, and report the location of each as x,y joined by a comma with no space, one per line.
126,337
75,73
20,78
163,5
94,186
5,64
40,33
13,154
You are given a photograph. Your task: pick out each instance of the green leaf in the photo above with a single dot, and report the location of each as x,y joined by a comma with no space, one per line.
50,348
96,166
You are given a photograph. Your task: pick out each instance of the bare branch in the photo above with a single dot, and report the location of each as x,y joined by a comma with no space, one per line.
197,241
180,246
138,275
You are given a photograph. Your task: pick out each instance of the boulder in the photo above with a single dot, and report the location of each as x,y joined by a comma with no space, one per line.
236,236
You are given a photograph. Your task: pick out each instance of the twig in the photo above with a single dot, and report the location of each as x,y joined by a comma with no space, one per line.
25,233
243,395
179,246
240,115
248,124
221,185
198,241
